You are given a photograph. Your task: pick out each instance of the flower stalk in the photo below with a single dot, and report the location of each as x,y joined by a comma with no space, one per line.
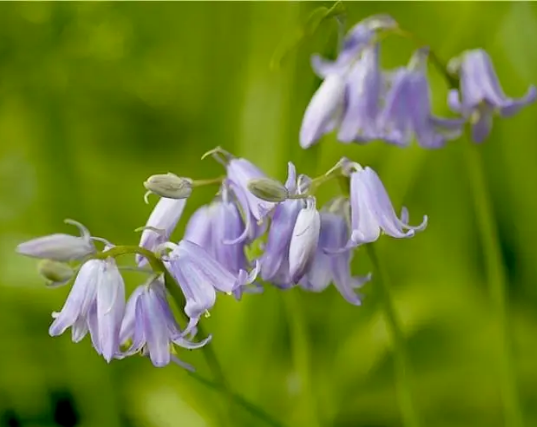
497,282
401,362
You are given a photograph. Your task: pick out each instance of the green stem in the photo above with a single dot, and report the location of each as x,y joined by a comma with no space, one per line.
497,281
300,352
209,181
402,366
154,262
239,400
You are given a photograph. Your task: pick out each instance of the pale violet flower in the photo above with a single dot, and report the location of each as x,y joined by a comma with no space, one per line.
372,211
324,111
160,225
332,264
60,247
150,327
216,228
96,303
304,239
281,265
481,95
354,70
407,109
364,87
200,275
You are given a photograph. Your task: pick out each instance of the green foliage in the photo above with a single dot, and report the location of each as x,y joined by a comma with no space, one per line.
96,97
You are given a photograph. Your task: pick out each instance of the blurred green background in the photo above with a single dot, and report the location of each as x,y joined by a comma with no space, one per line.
95,97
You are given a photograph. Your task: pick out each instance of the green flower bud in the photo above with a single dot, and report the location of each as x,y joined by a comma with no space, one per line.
268,189
55,272
169,186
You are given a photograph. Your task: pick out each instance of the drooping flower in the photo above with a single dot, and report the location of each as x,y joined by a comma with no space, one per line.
304,240
344,79
60,247
160,225
407,109
372,211
281,265
150,327
364,87
216,228
324,110
200,275
332,262
481,94
96,302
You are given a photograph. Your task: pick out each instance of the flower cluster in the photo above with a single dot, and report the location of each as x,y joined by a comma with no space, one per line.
365,103
300,246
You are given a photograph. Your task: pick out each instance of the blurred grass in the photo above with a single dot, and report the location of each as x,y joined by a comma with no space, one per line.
95,97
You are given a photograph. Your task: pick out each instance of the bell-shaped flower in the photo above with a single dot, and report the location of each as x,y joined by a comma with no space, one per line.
215,228
324,111
304,239
332,264
364,88
150,327
407,109
275,261
372,210
96,302
60,247
200,275
481,94
343,81
160,225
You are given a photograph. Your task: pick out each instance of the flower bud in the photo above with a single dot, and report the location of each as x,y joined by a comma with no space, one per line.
169,186
55,272
268,189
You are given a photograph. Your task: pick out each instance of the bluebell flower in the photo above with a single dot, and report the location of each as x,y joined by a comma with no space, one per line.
215,228
96,303
481,94
354,69
280,265
200,275
160,225
372,211
304,240
364,88
332,261
239,173
407,109
60,247
150,327
324,111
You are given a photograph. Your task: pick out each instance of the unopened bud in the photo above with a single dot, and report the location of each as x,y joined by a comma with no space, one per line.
268,189
169,186
55,272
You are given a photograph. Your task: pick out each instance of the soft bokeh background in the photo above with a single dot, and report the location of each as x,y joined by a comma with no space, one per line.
95,97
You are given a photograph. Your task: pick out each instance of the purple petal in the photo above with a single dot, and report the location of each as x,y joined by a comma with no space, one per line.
155,328
513,106
279,237
82,294
129,320
324,107
198,228
365,226
164,217
240,172
305,237
364,84
110,308
58,247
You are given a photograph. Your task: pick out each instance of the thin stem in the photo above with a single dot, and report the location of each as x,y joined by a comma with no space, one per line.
452,81
497,281
241,401
402,366
300,352
210,181
154,262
